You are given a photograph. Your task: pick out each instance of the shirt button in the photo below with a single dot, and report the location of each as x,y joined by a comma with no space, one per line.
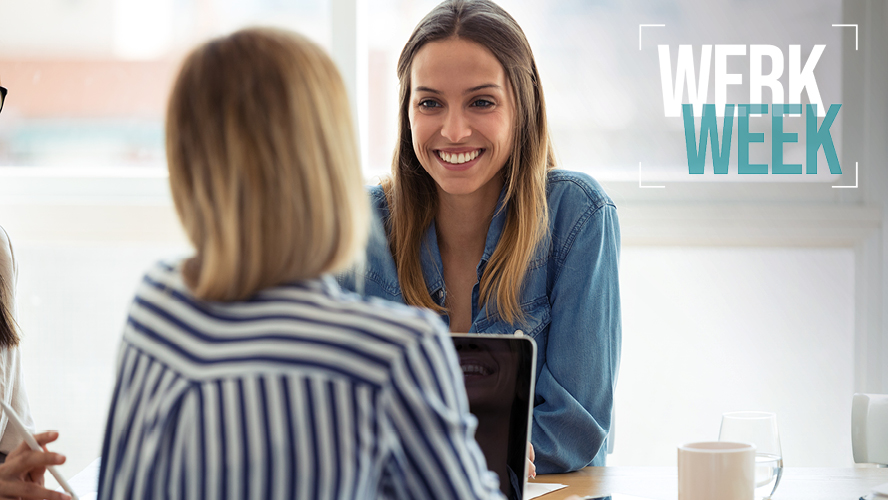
519,333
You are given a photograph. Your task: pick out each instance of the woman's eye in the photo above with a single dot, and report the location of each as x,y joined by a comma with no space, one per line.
482,103
428,103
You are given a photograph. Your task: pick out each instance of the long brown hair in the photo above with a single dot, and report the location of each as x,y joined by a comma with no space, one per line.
263,162
411,191
9,336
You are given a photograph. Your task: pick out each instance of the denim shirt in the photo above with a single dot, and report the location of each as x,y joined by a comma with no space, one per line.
571,300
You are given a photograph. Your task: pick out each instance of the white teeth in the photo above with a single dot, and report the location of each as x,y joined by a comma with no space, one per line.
457,159
480,370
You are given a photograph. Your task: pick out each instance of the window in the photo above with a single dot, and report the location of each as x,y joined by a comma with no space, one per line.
88,88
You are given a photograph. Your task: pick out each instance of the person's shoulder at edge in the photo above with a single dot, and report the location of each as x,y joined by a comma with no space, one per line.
165,275
377,275
378,201
576,201
565,186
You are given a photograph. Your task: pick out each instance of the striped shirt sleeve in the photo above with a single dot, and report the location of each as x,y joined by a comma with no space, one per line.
147,396
428,411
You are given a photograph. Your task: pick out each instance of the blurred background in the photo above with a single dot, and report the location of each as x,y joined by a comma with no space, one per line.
757,292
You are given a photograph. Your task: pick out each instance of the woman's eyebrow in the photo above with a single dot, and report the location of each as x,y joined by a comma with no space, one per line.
481,87
426,89
467,91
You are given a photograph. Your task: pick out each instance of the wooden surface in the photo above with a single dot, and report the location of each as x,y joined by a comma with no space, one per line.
661,483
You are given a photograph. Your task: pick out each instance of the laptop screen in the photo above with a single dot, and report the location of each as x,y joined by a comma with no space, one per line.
499,373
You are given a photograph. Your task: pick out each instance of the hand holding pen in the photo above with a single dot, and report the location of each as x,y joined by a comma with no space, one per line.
29,462
21,476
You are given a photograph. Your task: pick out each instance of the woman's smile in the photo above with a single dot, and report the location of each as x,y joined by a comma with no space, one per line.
459,160
461,116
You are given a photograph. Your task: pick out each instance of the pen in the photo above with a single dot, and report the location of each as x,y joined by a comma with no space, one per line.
21,429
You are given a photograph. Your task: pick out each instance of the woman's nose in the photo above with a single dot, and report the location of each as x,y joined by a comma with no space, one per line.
456,126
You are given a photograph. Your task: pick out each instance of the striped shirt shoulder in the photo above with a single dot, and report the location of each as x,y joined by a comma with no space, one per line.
280,328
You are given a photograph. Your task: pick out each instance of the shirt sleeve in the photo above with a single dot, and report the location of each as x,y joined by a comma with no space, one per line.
13,393
428,413
142,453
12,387
576,383
374,275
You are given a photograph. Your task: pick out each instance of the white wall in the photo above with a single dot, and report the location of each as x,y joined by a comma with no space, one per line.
712,330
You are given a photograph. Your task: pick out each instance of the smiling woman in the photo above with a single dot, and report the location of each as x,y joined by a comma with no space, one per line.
476,223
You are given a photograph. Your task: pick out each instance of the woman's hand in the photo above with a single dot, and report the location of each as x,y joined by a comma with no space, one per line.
531,469
21,476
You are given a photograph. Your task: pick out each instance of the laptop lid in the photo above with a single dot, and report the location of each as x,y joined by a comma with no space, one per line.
499,373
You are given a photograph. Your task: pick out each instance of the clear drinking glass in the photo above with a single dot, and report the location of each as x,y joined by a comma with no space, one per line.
760,429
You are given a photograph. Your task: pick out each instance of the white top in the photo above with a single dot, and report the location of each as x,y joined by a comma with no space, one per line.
12,385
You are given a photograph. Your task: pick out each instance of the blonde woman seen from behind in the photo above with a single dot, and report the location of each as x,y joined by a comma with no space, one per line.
244,371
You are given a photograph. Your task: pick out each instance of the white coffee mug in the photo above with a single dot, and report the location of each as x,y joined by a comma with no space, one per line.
716,471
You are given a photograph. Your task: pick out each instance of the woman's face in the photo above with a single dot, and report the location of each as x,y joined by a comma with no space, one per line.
462,115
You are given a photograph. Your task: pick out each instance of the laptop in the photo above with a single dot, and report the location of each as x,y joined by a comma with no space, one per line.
499,373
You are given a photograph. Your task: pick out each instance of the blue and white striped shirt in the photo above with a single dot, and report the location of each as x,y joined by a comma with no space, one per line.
304,391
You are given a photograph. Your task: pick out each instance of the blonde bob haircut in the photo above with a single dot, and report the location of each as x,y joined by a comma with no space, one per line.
263,164
411,191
